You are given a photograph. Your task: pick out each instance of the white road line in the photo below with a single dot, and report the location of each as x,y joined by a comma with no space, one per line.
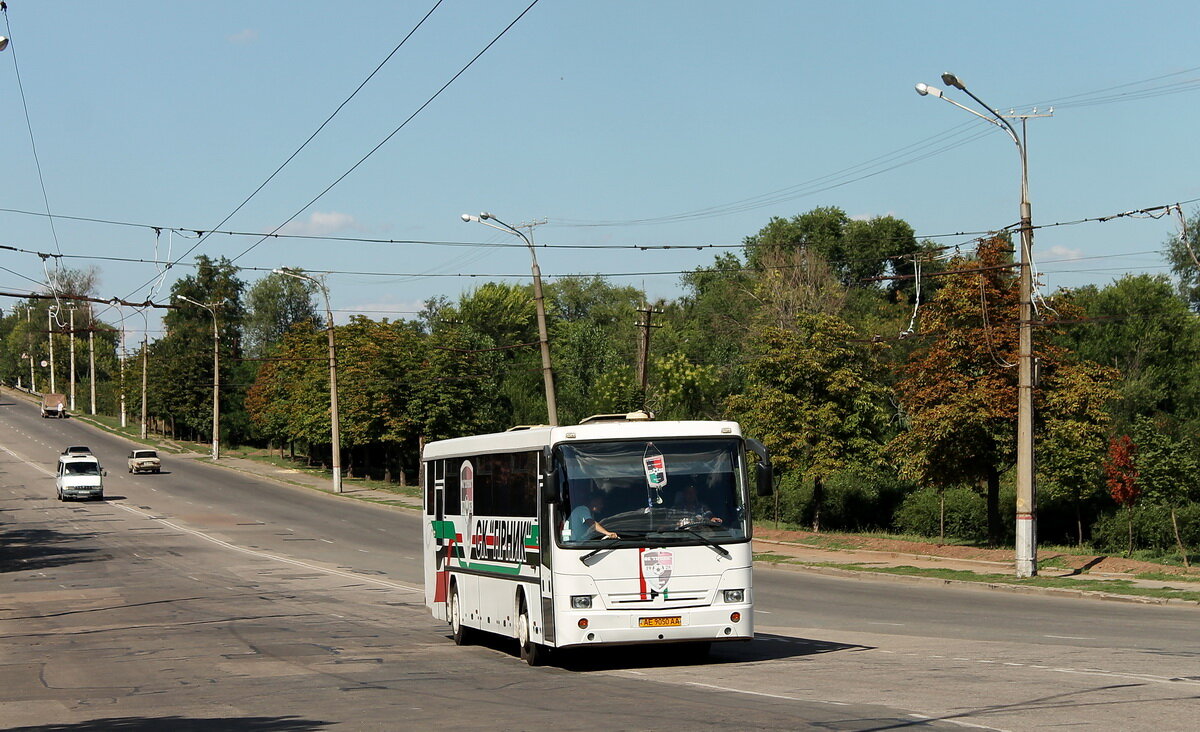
1069,637
266,555
763,693
898,625
956,722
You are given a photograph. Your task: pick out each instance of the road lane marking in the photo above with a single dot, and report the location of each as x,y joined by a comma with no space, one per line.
1069,637
898,625
763,693
267,555
956,722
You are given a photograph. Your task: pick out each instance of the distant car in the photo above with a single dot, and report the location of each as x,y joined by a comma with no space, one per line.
77,450
144,461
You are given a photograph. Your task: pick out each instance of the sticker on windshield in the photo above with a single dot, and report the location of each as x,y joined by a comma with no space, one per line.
656,471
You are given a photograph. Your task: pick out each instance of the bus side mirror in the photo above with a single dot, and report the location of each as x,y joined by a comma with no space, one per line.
765,478
550,479
764,475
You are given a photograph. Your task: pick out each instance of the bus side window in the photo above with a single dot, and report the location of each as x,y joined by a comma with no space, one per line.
450,470
429,487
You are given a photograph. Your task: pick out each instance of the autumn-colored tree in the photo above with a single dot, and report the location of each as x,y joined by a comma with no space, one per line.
1121,476
959,391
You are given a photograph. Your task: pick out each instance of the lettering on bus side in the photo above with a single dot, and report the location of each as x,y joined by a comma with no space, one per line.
500,540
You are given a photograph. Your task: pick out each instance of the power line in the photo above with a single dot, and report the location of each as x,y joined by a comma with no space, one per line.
303,145
392,134
29,126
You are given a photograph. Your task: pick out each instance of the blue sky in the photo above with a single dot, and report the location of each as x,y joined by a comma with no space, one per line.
585,113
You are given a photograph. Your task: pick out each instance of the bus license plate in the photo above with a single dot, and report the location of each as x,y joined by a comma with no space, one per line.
667,622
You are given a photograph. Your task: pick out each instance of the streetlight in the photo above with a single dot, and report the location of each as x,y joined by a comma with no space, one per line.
216,419
539,302
334,419
3,43
1026,563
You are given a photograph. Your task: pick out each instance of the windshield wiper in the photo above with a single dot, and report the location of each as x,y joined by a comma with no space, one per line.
594,552
691,530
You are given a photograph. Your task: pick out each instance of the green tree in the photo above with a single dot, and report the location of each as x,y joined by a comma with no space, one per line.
1072,445
1139,326
182,380
1167,472
812,397
275,304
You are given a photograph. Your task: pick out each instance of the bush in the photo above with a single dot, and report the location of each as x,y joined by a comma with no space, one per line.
1151,529
860,498
966,514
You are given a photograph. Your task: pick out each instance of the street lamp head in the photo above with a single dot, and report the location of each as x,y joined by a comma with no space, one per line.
3,43
469,218
951,80
925,89
485,215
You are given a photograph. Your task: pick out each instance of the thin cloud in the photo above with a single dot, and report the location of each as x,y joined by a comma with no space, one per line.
1060,252
244,36
322,223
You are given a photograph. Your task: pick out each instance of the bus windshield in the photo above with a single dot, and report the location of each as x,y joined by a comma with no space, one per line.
659,492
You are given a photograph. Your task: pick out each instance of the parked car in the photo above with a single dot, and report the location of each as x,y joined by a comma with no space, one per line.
144,461
79,476
77,450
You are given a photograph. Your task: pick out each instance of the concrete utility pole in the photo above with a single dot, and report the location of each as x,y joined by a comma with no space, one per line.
72,315
334,417
92,366
643,371
1026,550
539,302
50,337
145,348
29,335
121,315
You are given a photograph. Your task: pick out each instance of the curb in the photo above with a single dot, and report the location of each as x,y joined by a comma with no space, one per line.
998,586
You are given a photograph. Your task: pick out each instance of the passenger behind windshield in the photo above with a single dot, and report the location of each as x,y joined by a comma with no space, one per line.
688,502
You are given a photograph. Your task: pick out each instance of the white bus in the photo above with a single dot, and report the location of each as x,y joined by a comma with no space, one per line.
619,530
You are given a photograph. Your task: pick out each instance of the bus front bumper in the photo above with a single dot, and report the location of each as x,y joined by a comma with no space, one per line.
726,622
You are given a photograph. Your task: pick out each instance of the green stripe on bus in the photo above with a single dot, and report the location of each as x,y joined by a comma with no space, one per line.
501,569
443,530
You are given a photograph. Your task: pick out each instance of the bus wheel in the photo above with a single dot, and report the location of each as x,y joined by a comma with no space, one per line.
532,653
462,634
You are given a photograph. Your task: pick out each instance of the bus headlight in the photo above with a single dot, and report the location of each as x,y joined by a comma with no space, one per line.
735,595
581,602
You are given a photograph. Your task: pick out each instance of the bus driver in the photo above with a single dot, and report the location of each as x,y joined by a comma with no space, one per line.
584,519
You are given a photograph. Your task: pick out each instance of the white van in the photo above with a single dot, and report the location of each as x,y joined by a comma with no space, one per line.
79,476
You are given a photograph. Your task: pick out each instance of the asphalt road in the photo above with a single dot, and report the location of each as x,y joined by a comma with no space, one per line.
203,598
